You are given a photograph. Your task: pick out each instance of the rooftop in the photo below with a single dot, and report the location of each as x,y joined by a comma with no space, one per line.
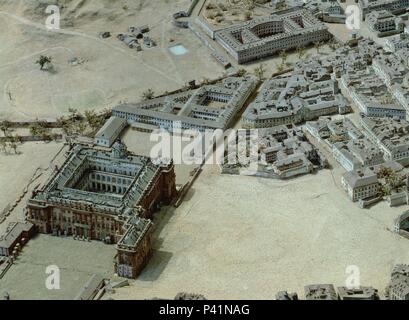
247,35
210,106
69,184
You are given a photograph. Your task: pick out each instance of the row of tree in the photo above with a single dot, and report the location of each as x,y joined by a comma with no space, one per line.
10,143
76,123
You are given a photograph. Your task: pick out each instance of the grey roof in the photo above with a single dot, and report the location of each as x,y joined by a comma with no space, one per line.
140,173
360,293
137,230
360,178
376,5
110,128
320,292
392,133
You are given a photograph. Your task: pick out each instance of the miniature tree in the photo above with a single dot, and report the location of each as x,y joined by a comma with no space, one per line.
12,142
333,44
63,123
74,114
66,129
34,129
5,126
300,52
384,172
43,60
282,6
81,127
13,146
284,57
241,72
259,72
92,118
148,94
210,6
3,146
394,180
317,46
385,190
46,135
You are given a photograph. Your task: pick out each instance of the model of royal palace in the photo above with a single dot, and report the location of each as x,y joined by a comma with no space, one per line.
108,196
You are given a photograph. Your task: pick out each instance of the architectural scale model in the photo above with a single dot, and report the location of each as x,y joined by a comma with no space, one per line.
204,149
304,95
106,196
208,107
265,36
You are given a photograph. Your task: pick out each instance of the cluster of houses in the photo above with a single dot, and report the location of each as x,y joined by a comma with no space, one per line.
392,6
329,11
136,37
282,152
349,146
374,149
309,92
374,166
373,156
384,23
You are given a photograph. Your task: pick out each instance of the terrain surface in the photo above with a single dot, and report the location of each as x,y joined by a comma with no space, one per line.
108,71
247,238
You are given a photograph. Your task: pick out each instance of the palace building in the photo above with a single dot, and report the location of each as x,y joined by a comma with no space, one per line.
108,196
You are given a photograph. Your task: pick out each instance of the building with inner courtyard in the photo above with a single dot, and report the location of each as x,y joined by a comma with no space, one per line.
108,196
209,107
265,36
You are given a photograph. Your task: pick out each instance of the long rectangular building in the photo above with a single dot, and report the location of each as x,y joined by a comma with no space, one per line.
207,108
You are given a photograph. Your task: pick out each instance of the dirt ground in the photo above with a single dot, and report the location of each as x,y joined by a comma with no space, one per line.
141,143
225,12
242,237
76,260
17,170
110,72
